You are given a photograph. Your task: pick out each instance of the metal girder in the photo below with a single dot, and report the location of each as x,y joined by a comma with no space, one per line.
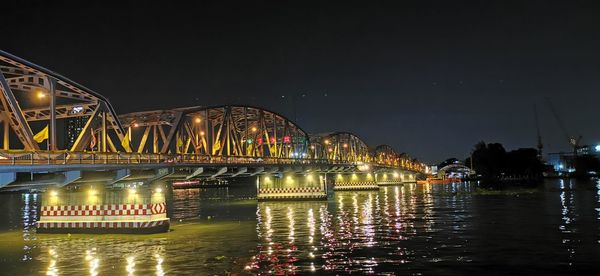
15,116
62,112
240,171
340,147
7,178
172,132
86,133
219,172
196,172
257,171
70,177
68,99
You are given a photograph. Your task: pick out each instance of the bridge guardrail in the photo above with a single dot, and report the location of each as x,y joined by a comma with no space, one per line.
22,157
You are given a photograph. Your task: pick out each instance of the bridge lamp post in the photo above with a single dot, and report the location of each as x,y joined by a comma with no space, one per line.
199,132
41,95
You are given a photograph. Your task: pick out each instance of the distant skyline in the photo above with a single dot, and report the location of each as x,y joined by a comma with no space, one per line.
431,78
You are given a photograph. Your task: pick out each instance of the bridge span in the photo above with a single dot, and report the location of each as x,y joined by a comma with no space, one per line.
60,134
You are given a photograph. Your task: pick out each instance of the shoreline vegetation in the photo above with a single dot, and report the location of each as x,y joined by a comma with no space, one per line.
498,169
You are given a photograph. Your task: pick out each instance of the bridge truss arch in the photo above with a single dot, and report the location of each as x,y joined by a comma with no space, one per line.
227,130
339,147
28,94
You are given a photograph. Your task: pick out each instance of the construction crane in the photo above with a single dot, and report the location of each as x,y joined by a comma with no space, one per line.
573,141
540,145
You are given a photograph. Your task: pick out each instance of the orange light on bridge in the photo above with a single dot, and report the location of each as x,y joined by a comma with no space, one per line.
41,94
253,129
198,120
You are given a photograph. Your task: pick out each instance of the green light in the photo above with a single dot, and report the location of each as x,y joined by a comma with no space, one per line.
249,141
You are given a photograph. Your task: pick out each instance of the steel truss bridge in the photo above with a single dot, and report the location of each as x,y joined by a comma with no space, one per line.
200,141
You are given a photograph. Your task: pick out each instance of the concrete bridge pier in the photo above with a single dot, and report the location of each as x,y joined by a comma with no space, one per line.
389,178
355,181
409,177
104,209
291,185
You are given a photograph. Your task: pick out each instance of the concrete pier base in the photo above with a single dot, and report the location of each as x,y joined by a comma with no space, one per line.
95,210
291,186
390,178
355,181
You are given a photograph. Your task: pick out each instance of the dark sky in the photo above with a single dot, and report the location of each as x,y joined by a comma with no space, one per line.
431,78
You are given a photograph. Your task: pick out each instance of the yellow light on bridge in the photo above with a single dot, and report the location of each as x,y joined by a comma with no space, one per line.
136,125
41,94
201,133
132,191
158,190
345,145
198,120
54,193
253,129
327,142
92,192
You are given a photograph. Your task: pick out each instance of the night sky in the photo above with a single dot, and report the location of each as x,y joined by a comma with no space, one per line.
430,78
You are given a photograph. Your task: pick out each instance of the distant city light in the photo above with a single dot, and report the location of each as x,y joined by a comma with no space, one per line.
597,148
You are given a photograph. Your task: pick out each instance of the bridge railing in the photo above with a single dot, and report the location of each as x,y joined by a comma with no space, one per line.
13,157
22,157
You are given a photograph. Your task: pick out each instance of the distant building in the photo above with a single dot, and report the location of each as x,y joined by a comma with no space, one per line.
562,162
588,150
73,127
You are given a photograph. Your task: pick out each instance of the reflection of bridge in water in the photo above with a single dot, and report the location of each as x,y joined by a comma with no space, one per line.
100,149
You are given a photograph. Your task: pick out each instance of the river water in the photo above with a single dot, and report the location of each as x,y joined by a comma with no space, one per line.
408,230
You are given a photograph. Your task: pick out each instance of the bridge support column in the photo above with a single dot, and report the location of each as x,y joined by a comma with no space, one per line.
409,177
355,181
389,178
7,178
95,210
291,186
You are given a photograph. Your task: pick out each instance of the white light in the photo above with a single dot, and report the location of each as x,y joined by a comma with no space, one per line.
597,148
77,109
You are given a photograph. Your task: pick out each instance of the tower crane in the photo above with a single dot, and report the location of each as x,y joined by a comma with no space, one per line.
540,145
573,140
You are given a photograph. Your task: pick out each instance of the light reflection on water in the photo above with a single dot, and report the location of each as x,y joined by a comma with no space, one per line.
410,229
